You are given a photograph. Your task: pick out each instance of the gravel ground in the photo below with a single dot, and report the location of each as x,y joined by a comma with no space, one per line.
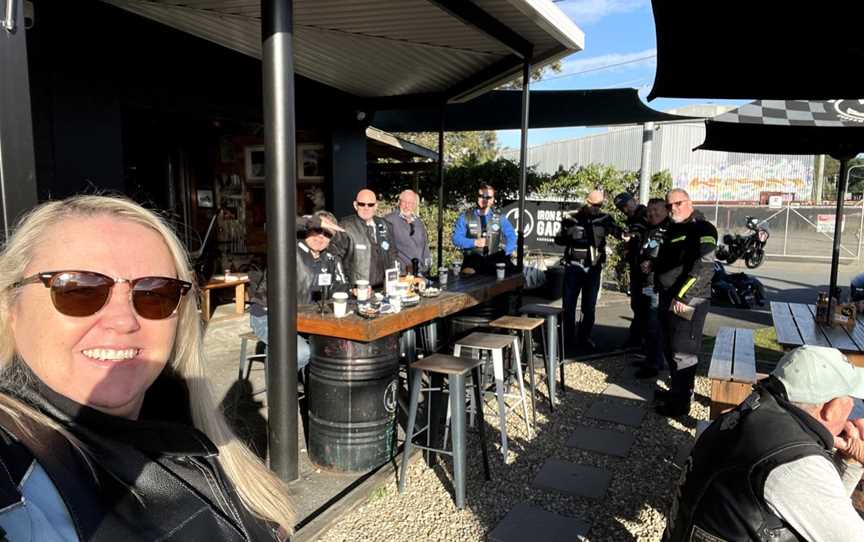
633,509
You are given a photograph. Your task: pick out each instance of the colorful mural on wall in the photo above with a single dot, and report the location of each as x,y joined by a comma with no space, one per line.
747,179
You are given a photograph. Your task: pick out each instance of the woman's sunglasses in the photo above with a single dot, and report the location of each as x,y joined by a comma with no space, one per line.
84,293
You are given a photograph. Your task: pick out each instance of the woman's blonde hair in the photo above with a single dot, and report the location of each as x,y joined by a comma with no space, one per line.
261,491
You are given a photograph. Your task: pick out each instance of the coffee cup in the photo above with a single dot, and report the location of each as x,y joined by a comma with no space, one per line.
340,304
362,290
442,276
396,302
457,268
500,268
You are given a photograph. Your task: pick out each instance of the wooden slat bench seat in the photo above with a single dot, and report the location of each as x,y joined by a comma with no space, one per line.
733,369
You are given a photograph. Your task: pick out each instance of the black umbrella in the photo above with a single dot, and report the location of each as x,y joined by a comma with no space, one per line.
763,49
834,127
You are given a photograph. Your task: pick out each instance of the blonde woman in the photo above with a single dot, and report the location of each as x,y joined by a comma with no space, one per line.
108,428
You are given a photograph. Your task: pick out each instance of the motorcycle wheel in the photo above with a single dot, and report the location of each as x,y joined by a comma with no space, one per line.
755,259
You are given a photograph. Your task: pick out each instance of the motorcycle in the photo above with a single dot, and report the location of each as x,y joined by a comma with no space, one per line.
750,247
737,289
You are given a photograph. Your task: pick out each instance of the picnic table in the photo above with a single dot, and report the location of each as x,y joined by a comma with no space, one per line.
796,325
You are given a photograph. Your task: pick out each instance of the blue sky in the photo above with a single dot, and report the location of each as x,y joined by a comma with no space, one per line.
620,51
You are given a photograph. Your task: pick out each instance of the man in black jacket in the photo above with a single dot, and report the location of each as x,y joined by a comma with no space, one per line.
683,271
371,247
783,464
634,237
584,233
657,220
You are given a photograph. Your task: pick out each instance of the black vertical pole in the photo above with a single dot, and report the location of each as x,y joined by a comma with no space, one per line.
17,162
277,30
441,186
523,158
838,223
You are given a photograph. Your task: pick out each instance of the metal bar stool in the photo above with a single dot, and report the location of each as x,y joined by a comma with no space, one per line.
553,336
525,326
246,360
496,343
455,369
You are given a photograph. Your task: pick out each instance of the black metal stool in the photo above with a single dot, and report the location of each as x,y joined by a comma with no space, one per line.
524,325
553,336
455,369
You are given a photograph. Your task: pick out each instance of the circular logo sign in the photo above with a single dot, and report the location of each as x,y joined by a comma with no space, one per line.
852,110
512,215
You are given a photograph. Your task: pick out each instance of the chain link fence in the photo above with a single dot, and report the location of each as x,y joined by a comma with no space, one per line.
805,232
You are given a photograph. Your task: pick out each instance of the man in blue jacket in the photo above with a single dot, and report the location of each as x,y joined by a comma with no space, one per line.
484,235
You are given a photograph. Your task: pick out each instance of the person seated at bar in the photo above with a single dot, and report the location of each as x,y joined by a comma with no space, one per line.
412,241
484,235
783,464
318,271
371,248
109,430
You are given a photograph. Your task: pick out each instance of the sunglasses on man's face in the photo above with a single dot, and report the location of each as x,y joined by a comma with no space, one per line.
84,293
486,196
596,205
673,204
323,232
365,204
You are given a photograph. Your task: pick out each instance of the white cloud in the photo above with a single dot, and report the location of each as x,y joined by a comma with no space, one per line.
611,61
590,11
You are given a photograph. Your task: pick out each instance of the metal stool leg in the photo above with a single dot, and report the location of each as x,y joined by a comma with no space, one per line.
409,432
498,368
552,358
475,373
244,362
457,405
528,343
560,328
518,362
546,364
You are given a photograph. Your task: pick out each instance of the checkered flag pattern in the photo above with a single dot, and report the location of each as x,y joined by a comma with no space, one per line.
798,113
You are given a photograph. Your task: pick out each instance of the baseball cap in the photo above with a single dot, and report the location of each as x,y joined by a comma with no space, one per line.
817,374
622,199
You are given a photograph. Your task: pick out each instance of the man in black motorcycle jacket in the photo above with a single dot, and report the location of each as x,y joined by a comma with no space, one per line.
584,233
783,464
634,237
657,219
683,271
372,248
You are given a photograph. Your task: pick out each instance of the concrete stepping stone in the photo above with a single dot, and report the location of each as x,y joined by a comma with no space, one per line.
526,522
572,479
604,441
616,413
630,390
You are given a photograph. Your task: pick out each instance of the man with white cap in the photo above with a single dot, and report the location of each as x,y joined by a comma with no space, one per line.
783,464
584,233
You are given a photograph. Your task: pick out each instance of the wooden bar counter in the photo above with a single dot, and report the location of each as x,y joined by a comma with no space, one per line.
458,295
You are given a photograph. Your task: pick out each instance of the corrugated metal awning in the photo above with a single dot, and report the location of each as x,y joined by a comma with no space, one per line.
381,48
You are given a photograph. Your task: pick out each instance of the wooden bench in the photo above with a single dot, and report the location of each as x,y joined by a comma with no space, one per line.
733,369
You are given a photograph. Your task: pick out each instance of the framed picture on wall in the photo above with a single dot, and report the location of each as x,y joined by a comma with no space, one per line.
205,198
310,162
256,164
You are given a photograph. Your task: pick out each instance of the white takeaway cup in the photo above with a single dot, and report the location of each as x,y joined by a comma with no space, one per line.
500,268
340,304
362,290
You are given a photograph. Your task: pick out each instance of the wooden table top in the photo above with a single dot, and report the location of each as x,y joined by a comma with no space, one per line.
215,283
796,325
459,295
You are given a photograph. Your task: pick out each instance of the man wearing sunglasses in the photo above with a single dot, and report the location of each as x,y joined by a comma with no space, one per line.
682,273
371,248
584,233
635,214
484,235
318,271
412,242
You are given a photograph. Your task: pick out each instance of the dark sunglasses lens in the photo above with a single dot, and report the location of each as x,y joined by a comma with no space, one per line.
156,298
80,294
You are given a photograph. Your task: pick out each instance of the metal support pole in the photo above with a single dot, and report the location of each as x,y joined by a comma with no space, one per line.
838,225
277,30
17,161
441,186
523,159
820,178
645,169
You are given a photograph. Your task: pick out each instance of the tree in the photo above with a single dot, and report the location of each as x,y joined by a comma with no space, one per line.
536,75
460,148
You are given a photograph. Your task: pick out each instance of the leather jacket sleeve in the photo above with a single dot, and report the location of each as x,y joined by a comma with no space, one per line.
699,262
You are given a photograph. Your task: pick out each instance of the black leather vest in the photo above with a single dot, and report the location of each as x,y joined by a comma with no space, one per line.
474,230
720,494
151,480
